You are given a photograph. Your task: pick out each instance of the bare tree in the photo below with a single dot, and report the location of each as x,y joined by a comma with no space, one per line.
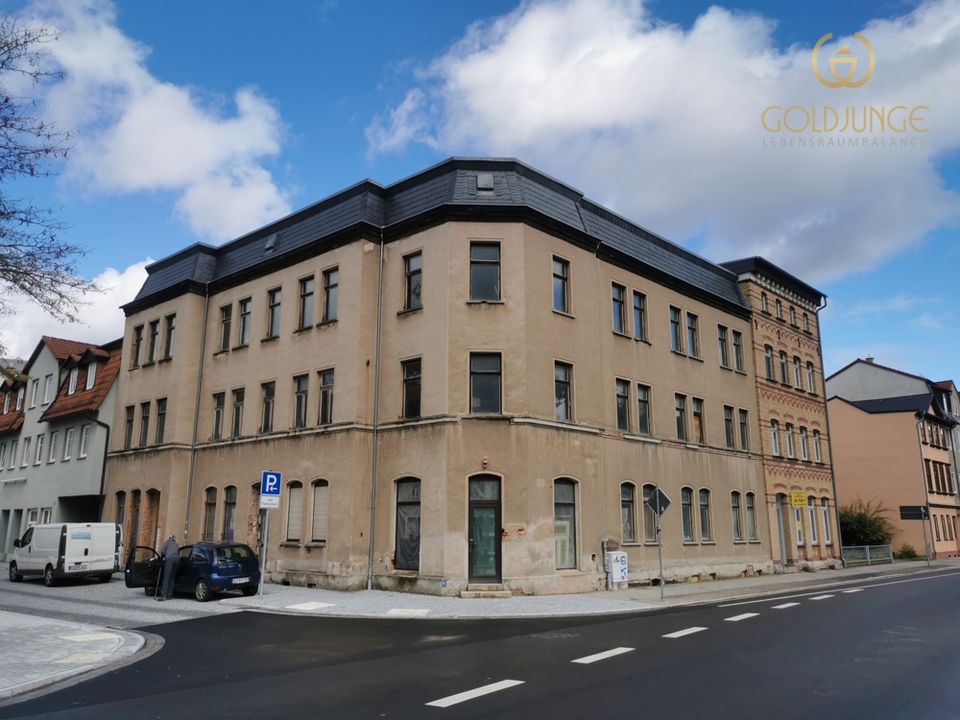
34,260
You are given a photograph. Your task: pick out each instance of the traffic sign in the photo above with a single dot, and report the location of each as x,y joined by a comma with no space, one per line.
270,483
658,501
798,498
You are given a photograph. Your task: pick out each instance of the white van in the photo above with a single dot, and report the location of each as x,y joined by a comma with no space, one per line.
67,550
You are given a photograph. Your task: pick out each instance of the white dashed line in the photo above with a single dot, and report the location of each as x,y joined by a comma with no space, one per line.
685,632
785,606
309,606
738,618
408,612
475,693
821,597
602,655
853,590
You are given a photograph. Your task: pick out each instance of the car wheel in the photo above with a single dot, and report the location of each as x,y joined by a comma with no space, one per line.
14,575
201,590
247,592
48,578
105,578
151,591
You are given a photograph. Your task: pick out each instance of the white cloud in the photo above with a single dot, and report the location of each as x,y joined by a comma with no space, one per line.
102,319
897,303
662,123
134,133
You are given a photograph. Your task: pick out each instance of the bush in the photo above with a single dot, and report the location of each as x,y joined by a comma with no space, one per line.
865,523
907,552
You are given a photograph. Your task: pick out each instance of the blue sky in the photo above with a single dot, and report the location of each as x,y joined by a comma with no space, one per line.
198,121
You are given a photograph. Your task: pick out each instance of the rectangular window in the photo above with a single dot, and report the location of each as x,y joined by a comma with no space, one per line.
54,448
171,329
623,405
245,307
736,519
137,346
649,516
644,426
236,423
6,403
407,554
806,323
34,391
485,382
699,430
565,523
825,511
274,302
752,517
722,346
305,316
84,439
161,419
676,335
128,427
812,515
38,455
618,296
738,351
71,382
561,285
154,340
410,370
144,423
321,511
226,317
219,401
744,429
68,443
728,429
817,449
413,281
301,388
791,450
13,455
562,395
331,292
706,530
804,445
326,397
686,504
797,373
267,395
91,375
3,454
628,518
779,310
680,411
484,271
639,315
20,392
783,368
693,335
775,437
798,522
811,379
768,362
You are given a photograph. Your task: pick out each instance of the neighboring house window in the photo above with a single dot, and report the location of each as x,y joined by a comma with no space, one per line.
161,419
649,516
798,521
812,514
13,455
6,403
676,336
791,450
67,443
3,454
301,389
209,513
565,523
91,375
326,397
321,511
751,501
410,371
274,302
680,411
219,401
236,424
171,321
413,281
706,530
827,530
699,432
84,439
229,513
38,455
797,373
561,285
738,351
562,395
407,552
331,290
736,517
764,305
267,394
623,405
485,382
811,378
20,392
294,511
137,346
628,517
226,319
25,459
34,391
121,507
817,449
245,306
154,340
783,368
693,335
793,316
686,513
72,381
744,429
639,315
775,437
643,407
722,346
804,445
779,310
144,423
305,316
806,322
768,362
484,271
728,427
618,297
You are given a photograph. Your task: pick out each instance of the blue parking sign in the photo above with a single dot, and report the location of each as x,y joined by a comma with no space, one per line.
270,484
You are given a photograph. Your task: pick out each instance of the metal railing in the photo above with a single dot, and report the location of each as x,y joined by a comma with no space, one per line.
867,554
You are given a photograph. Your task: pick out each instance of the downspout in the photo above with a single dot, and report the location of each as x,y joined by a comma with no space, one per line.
103,465
374,450
196,416
833,474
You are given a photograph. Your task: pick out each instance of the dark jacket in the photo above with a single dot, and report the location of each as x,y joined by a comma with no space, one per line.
170,550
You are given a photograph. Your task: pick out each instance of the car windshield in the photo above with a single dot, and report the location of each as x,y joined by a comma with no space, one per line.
233,553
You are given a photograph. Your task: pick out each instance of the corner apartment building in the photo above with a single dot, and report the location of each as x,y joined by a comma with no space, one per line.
475,375
792,414
895,441
54,420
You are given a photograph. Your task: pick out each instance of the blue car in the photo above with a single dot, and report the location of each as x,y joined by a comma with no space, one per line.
204,569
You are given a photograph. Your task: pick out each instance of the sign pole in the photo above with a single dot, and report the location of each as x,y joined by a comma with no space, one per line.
659,544
926,546
263,550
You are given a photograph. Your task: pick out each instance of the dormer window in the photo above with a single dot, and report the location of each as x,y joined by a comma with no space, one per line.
20,399
91,375
72,384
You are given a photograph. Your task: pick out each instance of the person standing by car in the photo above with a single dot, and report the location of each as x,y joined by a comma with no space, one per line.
170,556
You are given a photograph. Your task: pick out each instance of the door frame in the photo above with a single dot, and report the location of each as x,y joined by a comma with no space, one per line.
498,524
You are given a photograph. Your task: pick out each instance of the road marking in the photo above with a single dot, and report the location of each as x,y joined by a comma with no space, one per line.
602,655
784,606
408,612
684,633
91,637
847,592
738,618
821,597
475,693
309,606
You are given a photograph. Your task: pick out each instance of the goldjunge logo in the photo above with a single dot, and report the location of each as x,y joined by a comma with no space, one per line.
843,58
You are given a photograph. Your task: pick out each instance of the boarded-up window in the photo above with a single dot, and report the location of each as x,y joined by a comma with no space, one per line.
321,510
294,512
209,513
408,524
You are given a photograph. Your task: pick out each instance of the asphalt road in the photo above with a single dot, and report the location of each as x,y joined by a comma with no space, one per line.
880,649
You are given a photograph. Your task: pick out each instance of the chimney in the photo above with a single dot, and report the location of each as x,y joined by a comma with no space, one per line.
870,359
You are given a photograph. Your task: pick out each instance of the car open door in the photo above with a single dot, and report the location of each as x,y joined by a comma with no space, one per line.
143,568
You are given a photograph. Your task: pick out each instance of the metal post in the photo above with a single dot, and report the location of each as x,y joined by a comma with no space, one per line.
263,549
659,545
868,555
926,545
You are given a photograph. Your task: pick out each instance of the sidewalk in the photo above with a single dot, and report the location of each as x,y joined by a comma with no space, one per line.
383,604
36,652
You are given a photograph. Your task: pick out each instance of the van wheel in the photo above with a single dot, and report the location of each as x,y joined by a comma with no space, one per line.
14,575
201,590
48,578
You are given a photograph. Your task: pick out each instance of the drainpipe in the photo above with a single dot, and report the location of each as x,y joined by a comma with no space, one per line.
103,465
196,416
374,451
833,474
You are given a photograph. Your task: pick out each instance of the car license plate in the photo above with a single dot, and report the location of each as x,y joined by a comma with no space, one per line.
240,581
77,566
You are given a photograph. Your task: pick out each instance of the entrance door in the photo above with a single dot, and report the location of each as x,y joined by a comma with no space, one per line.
483,532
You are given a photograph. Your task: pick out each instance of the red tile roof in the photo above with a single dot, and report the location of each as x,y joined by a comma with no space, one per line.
62,349
84,400
12,419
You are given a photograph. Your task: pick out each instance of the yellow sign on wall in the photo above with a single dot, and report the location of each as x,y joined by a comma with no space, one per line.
798,498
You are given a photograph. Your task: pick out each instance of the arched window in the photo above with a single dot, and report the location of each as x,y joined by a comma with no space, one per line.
811,379
825,512
565,523
649,516
736,518
797,373
321,511
791,451
209,513
229,513
121,507
751,502
294,511
686,504
817,447
408,525
628,512
706,530
774,437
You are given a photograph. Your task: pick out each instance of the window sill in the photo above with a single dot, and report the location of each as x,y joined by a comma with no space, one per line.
564,314
650,543
641,438
166,359
708,542
695,357
692,446
485,302
623,335
221,352
316,544
767,313
631,543
681,353
755,542
726,367
409,311
269,338
326,323
145,365
740,542
240,347
643,340
690,543
741,372
290,544
301,330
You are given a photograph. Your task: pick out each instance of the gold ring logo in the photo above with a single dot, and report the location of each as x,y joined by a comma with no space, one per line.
843,59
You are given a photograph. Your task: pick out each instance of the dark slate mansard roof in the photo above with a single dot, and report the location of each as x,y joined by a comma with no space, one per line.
762,266
445,192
